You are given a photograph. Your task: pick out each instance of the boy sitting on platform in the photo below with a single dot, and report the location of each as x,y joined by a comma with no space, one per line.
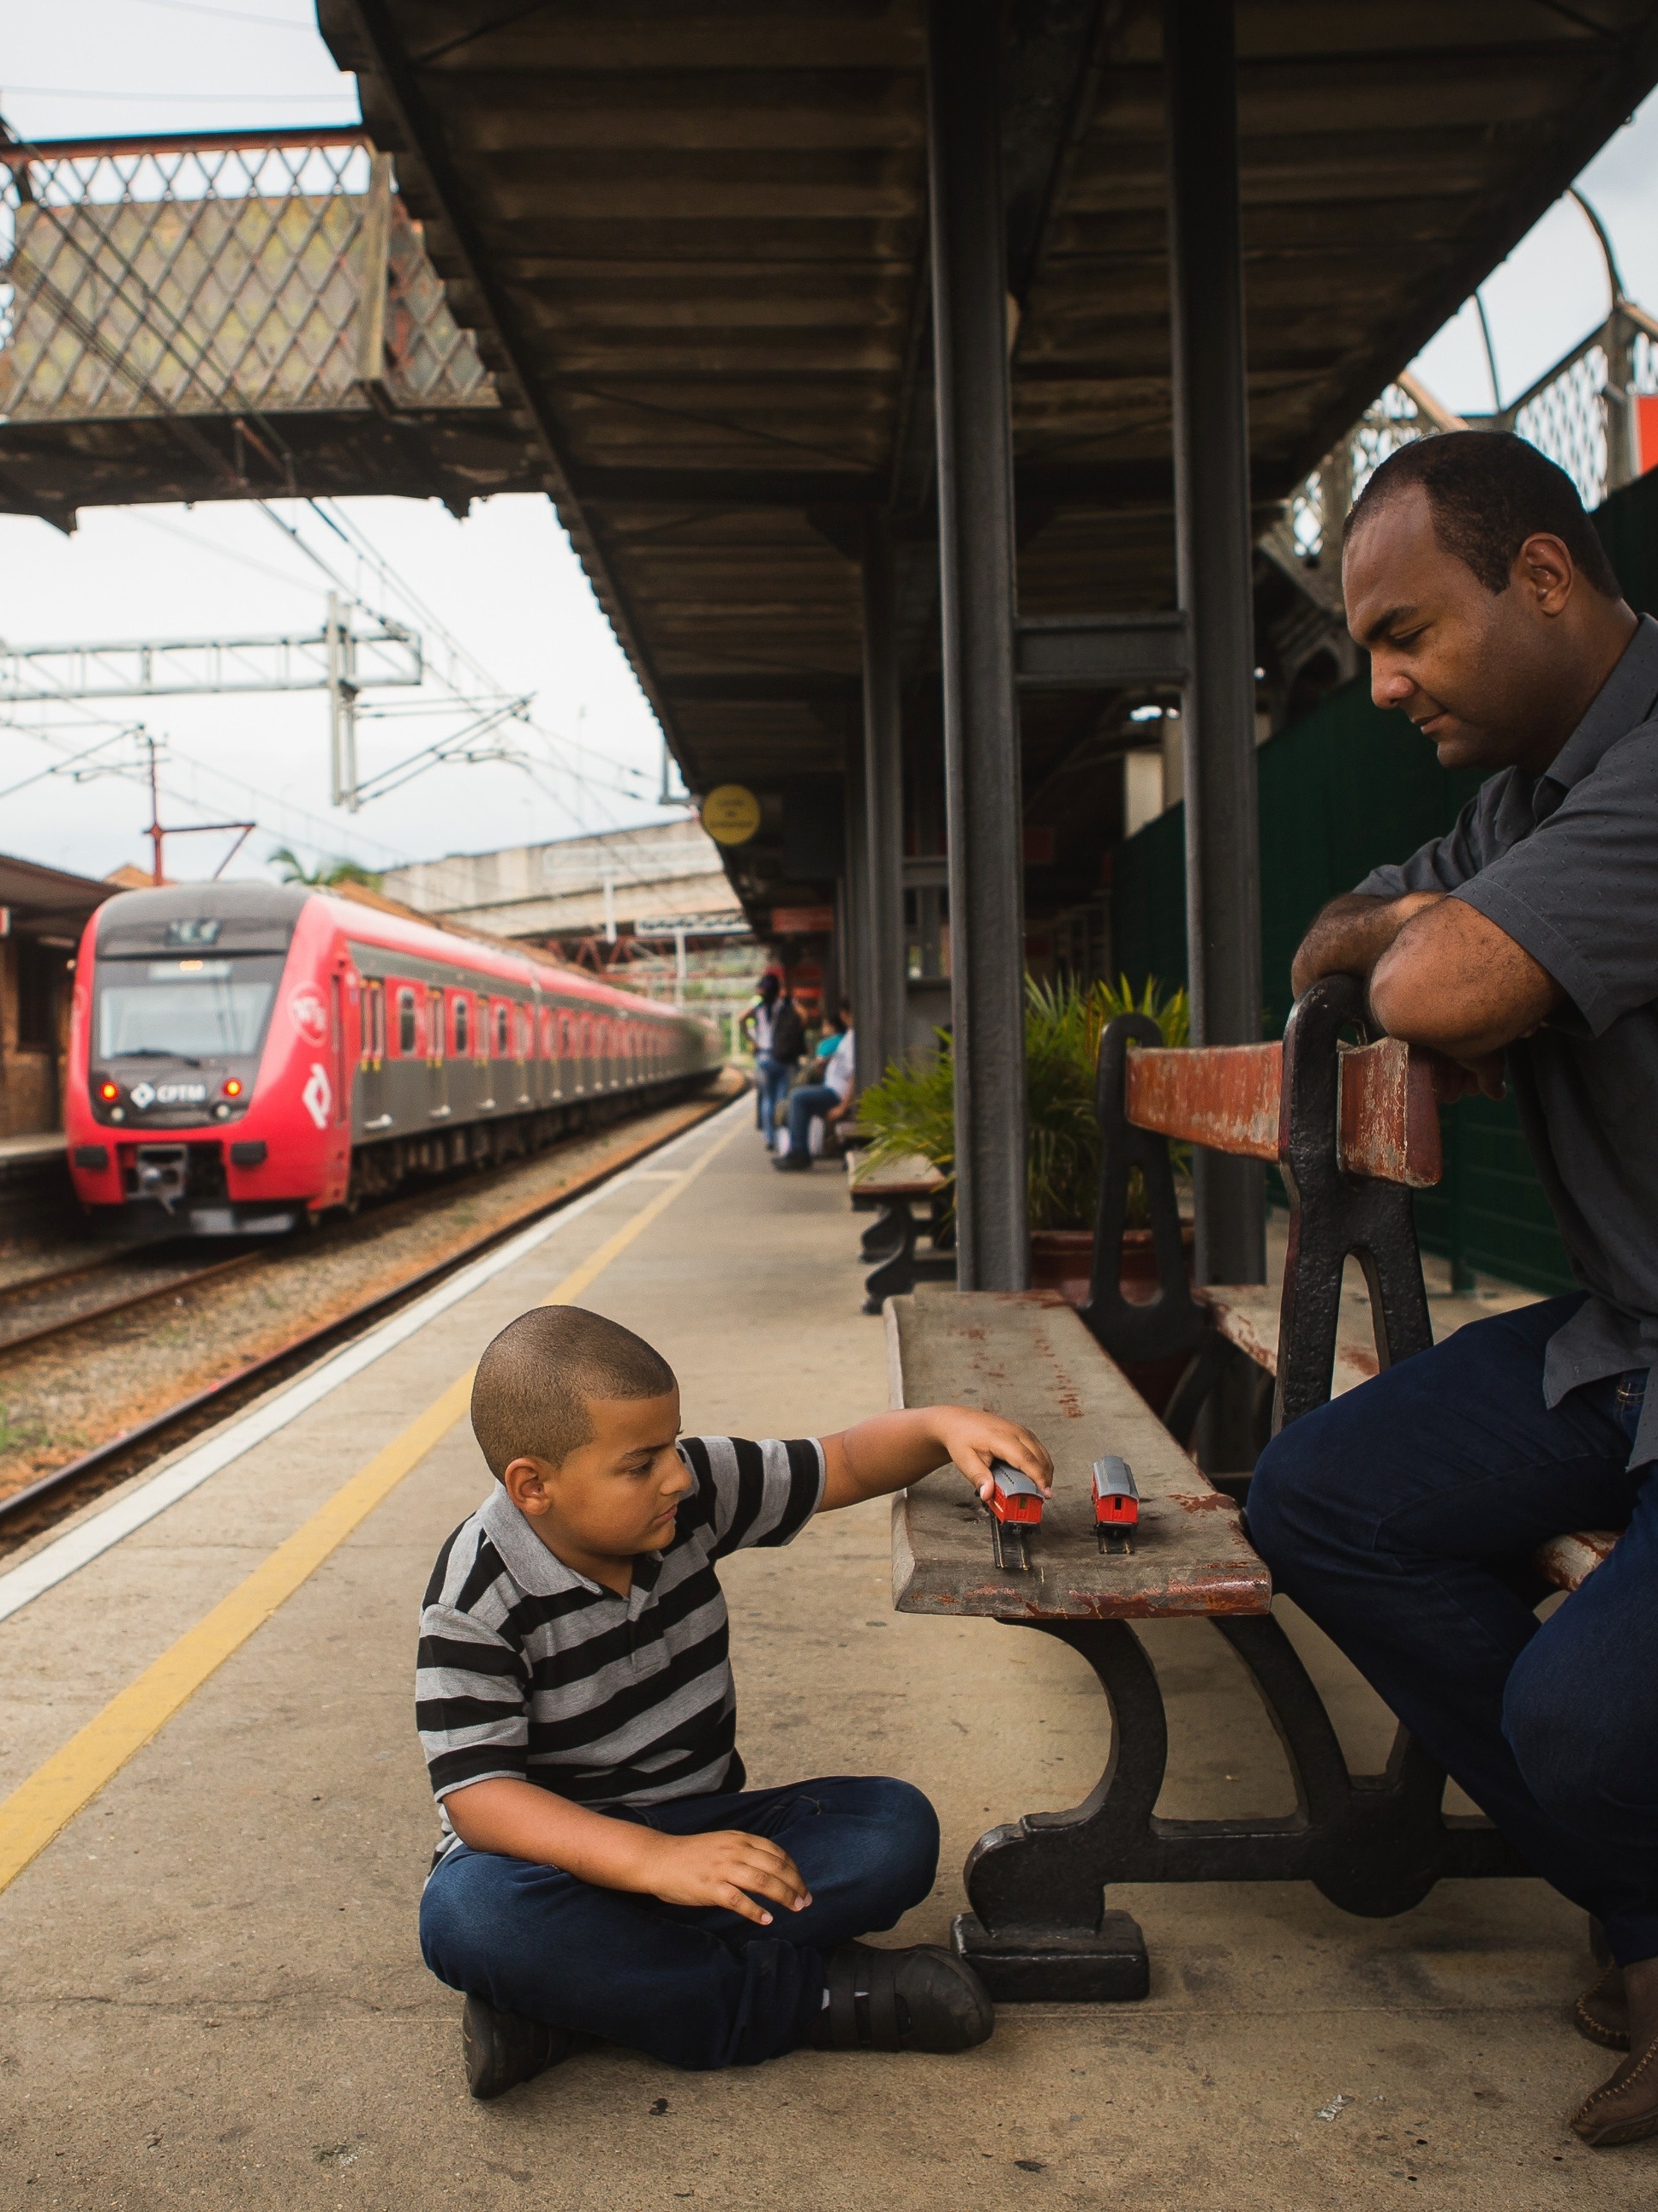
601,1870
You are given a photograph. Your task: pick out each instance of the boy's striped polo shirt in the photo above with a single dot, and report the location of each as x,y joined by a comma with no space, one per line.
527,1670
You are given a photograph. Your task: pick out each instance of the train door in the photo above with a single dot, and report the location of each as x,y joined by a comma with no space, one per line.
371,1074
437,1062
463,1090
524,1037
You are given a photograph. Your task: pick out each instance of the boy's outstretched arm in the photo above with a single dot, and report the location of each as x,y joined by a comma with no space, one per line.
521,1821
884,1454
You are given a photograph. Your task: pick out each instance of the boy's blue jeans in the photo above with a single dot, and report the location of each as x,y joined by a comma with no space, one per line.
771,1081
1401,1517
696,1987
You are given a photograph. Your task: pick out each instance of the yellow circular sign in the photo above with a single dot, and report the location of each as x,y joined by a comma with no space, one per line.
731,814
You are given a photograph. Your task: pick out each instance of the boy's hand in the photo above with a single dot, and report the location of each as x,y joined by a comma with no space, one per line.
972,1439
721,1869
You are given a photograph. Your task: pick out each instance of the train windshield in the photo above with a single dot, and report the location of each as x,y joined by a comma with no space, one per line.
183,1009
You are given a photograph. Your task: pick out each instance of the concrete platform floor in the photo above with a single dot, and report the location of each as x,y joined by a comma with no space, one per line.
210,1994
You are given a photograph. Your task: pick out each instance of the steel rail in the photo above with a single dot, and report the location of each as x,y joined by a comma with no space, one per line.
123,1305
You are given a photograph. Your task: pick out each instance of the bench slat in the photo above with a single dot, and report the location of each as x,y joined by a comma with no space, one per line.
1230,1098
1226,1097
909,1176
1027,1355
1390,1115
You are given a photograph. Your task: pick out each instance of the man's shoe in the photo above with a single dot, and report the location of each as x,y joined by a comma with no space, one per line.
502,2049
1602,2012
792,1163
1624,2108
922,1999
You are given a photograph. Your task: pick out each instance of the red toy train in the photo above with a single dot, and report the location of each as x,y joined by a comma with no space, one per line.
244,1054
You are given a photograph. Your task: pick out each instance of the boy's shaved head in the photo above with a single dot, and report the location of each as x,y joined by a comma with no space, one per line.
535,1382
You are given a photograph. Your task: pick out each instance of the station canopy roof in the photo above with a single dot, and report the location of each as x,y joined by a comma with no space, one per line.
690,244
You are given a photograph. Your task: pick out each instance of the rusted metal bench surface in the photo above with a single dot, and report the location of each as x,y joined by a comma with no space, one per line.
1027,1355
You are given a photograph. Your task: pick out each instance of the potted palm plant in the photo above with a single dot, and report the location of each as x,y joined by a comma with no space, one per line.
911,1109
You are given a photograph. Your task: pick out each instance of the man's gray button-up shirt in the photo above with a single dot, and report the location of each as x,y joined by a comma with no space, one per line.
1566,864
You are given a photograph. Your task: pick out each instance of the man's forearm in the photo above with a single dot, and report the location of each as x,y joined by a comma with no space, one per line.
1351,934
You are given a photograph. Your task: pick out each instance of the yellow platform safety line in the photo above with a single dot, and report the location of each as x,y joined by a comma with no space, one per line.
43,1805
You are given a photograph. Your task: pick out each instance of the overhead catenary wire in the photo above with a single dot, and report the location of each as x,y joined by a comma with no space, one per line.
490,712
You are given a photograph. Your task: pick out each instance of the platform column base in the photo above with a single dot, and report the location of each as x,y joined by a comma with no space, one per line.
1056,1965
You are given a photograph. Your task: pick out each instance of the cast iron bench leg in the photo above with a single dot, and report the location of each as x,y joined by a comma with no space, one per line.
1375,1844
885,1234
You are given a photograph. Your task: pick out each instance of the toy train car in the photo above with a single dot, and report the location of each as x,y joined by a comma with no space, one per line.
245,1056
1015,1508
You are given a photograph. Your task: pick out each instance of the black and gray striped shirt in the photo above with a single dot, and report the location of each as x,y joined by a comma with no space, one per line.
530,1671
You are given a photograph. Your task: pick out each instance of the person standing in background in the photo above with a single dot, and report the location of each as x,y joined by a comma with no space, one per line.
777,1036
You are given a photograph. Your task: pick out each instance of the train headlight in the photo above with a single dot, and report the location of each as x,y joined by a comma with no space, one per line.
233,1088
109,1092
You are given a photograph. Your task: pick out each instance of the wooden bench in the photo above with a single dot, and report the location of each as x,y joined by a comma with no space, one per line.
893,1190
1354,1132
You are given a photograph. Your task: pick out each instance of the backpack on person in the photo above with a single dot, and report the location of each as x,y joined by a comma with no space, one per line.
788,1032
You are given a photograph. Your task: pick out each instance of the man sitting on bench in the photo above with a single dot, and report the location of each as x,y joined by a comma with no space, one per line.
1525,939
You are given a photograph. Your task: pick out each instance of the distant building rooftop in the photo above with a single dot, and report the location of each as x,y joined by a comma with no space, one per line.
577,886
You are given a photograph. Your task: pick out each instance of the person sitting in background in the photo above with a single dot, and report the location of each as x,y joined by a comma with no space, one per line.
830,1100
776,1033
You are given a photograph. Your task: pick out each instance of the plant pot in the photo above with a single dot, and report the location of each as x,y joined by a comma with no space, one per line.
1063,1259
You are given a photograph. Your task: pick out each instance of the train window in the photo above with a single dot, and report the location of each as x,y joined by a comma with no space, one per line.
463,1018
500,1031
408,1039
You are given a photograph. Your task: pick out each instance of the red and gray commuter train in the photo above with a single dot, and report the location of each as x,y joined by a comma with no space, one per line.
243,1056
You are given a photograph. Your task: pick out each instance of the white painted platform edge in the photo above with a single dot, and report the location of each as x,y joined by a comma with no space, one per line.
53,1565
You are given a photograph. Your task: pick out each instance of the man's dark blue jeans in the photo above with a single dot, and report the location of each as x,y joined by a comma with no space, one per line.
696,1987
812,1101
1401,1516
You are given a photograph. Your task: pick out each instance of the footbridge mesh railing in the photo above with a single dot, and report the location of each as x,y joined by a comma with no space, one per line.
256,274
1586,413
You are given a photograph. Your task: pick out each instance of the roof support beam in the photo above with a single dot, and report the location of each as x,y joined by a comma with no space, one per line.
982,730
1102,652
1215,564
880,1022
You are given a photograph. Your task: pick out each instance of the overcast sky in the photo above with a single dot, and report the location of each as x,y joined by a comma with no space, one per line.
504,583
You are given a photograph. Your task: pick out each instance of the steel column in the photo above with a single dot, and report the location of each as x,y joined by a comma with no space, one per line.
880,1017
1216,562
855,948
976,585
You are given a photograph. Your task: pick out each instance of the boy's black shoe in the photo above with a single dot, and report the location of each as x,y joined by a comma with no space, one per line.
922,1999
502,2049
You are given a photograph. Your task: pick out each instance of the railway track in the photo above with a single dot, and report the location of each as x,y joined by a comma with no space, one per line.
20,1327
49,1499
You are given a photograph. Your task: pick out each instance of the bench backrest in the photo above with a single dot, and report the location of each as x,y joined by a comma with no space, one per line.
1353,1130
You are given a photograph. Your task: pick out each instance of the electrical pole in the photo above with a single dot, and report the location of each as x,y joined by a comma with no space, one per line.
156,833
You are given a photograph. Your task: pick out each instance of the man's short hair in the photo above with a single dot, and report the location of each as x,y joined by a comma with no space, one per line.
535,1381
1488,492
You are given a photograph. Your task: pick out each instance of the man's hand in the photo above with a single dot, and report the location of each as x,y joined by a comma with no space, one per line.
1350,935
722,1868
882,1455
1481,1076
